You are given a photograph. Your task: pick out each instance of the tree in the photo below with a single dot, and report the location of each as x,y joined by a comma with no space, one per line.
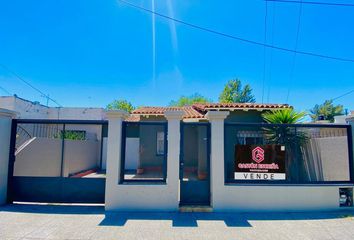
326,110
234,93
288,136
120,105
189,100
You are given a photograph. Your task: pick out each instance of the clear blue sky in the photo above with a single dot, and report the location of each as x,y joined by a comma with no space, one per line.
87,53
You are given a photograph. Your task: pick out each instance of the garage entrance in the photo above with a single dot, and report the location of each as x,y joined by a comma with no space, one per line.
57,161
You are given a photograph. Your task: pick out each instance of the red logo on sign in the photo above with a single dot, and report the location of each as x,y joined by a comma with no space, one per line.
258,154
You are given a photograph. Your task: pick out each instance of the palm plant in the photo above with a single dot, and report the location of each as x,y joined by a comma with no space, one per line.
289,137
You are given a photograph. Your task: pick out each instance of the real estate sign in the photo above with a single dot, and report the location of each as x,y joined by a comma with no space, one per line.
260,162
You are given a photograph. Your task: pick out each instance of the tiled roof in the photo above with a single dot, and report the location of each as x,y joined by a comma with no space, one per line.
198,111
218,106
189,111
133,118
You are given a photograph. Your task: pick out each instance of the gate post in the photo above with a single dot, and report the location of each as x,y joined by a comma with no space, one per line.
217,173
173,150
5,136
114,144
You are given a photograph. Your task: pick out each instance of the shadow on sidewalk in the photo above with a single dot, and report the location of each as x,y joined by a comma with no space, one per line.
230,219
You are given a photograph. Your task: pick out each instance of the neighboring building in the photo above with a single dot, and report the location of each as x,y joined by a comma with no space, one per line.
88,151
343,118
34,110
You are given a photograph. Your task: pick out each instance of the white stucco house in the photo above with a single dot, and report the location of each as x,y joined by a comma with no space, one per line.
221,156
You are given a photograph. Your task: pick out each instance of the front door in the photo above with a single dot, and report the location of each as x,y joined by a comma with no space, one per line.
195,164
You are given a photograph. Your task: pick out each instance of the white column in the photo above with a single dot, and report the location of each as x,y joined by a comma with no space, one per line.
173,150
114,143
216,118
5,136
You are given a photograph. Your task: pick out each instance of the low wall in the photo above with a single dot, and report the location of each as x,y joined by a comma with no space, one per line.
80,156
332,158
42,157
141,197
250,198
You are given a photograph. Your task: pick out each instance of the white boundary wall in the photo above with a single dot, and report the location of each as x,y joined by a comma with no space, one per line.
5,135
138,196
246,198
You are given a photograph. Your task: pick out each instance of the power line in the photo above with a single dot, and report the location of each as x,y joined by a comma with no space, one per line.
235,37
30,85
294,56
314,3
264,48
345,94
2,88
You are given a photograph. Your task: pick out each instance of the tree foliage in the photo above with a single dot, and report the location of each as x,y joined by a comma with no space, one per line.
289,137
234,93
327,110
287,116
189,100
120,105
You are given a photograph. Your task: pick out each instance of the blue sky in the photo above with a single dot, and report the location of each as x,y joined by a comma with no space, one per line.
87,53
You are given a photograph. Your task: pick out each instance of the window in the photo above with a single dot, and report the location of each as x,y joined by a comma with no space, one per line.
143,152
160,143
297,153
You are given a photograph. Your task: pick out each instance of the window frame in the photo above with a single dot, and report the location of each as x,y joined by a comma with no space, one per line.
348,128
121,174
157,143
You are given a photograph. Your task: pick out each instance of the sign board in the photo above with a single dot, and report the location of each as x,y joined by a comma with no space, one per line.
260,162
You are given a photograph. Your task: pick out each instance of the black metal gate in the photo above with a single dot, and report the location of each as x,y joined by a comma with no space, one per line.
57,161
195,164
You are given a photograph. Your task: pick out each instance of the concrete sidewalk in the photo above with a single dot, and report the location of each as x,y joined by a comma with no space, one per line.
85,222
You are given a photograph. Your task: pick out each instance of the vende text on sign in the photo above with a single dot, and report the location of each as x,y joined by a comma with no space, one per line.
262,162
259,176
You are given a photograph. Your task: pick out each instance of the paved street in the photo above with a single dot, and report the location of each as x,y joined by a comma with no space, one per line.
76,222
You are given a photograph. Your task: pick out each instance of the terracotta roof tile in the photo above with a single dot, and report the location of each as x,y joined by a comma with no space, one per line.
133,118
216,106
189,111
199,110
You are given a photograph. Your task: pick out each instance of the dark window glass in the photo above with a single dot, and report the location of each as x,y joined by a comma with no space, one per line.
290,154
144,156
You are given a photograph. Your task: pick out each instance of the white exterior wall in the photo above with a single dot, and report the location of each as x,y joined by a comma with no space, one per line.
76,113
31,110
23,108
250,198
246,197
138,196
5,134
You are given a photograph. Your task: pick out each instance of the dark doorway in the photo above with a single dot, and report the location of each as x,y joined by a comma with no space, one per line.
195,164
